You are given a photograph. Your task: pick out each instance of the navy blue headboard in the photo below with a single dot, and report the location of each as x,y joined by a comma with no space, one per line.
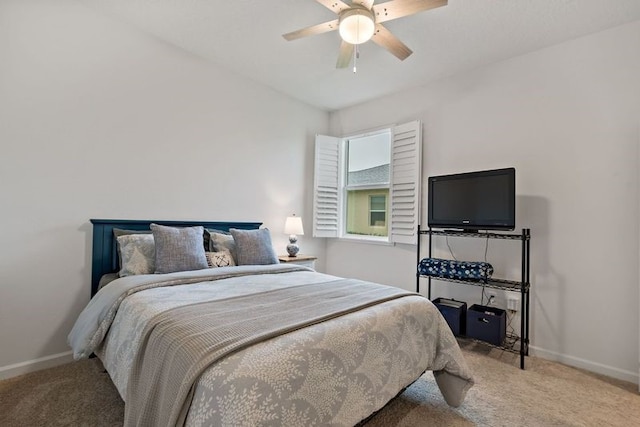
104,258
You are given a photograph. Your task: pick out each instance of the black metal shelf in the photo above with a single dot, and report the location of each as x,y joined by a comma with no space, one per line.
493,283
511,343
478,234
522,286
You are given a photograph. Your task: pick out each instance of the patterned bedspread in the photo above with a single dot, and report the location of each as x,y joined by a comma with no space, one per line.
333,373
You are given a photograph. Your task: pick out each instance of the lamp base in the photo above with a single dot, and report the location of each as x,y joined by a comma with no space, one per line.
292,247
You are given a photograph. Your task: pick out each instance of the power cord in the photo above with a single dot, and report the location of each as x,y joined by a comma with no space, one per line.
490,298
512,337
450,250
486,248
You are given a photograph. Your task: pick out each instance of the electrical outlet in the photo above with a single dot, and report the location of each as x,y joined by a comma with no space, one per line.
513,303
492,298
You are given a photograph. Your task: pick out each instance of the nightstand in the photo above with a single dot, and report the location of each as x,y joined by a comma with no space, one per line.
305,260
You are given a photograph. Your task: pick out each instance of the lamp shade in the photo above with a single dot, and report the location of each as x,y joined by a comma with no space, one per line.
356,25
293,225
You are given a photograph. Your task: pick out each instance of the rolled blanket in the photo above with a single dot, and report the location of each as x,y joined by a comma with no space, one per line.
451,269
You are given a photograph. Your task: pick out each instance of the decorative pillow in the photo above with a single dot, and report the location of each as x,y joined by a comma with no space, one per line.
106,279
178,249
220,259
117,232
253,247
451,269
207,237
221,241
138,254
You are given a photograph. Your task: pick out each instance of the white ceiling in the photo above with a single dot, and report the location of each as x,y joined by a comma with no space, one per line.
245,36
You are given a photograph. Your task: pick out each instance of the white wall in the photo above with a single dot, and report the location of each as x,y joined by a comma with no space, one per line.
567,117
98,120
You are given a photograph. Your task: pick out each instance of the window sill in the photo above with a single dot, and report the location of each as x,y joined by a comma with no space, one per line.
368,240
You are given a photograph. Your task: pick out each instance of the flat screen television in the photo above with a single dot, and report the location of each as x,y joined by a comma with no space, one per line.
481,200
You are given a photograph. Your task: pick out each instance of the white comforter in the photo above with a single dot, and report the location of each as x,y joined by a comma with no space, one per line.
337,372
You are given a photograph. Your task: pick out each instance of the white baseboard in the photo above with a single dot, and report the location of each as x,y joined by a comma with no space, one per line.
16,369
588,365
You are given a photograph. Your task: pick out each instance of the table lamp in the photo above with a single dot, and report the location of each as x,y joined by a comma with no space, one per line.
293,227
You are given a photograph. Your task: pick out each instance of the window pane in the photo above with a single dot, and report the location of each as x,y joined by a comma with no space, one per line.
361,218
378,219
368,159
378,203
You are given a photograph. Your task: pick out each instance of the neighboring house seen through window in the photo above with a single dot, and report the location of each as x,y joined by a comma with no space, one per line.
367,186
378,210
367,174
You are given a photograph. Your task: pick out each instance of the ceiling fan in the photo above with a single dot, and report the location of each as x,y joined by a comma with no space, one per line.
362,21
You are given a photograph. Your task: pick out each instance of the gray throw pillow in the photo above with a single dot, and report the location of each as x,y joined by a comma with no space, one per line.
207,237
178,248
117,232
253,247
221,241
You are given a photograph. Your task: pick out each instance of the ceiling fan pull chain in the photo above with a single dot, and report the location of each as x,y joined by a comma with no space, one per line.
356,55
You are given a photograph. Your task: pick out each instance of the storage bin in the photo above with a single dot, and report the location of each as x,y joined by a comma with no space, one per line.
454,312
487,324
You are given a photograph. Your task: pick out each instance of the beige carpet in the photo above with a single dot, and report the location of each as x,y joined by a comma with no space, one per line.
545,394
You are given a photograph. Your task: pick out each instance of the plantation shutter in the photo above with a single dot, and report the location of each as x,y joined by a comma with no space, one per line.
326,191
406,166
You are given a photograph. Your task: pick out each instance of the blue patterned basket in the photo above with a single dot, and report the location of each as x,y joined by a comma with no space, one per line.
451,269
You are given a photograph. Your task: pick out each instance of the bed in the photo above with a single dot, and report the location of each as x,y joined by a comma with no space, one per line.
257,343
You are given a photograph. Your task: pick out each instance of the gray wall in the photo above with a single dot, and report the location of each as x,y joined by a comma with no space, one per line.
568,118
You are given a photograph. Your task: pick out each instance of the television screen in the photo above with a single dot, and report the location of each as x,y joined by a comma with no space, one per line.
483,200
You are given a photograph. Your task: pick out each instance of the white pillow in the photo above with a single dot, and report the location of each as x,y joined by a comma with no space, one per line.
220,259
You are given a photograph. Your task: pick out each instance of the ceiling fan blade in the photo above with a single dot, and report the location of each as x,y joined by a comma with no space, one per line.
383,37
395,9
345,55
365,3
335,5
325,27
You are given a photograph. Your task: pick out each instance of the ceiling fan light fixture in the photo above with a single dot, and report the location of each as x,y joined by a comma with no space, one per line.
356,25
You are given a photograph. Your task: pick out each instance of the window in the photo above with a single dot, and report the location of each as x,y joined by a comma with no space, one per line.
367,180
378,210
368,186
